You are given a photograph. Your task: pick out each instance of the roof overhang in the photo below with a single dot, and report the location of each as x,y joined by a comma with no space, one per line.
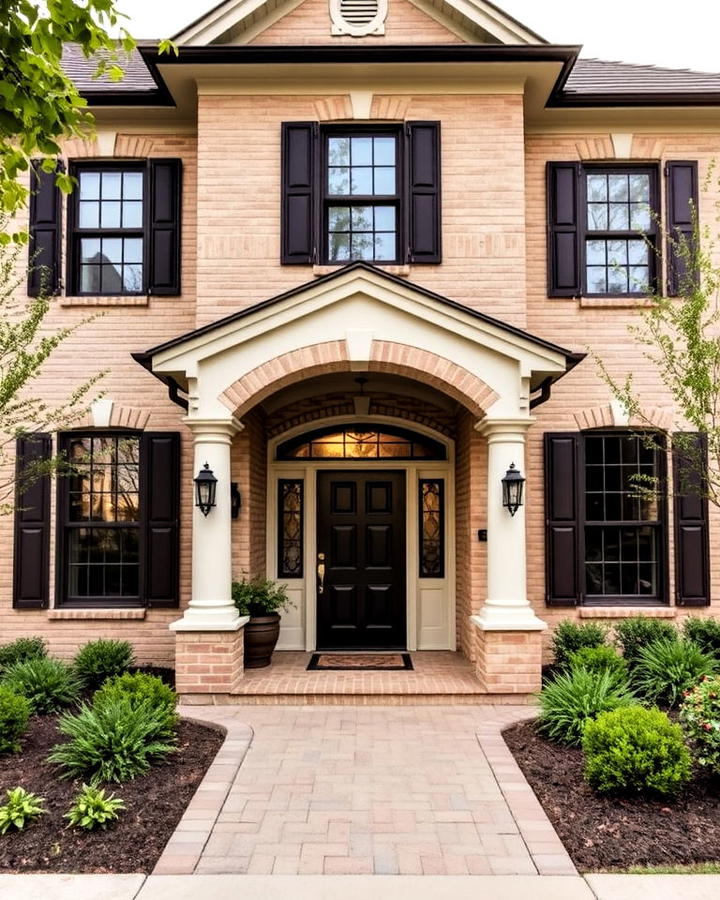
359,299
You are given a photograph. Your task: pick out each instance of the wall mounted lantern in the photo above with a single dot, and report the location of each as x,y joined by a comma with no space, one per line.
512,487
235,500
205,487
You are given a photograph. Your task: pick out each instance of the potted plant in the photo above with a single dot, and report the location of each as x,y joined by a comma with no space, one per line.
260,598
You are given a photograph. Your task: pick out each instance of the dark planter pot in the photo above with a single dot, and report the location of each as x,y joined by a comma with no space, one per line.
261,635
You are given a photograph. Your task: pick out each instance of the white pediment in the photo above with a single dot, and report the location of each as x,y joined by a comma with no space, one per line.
239,21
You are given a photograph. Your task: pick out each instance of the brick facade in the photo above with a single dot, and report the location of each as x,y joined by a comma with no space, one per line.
494,261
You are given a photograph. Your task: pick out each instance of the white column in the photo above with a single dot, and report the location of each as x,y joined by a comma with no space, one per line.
506,607
211,607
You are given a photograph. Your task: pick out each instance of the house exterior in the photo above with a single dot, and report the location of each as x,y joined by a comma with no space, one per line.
351,257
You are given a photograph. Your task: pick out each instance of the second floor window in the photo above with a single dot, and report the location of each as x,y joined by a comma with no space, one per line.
362,198
109,231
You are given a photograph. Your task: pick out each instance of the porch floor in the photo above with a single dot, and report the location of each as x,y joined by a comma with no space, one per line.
438,677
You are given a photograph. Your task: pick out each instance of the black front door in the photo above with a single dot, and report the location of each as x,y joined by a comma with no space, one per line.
361,543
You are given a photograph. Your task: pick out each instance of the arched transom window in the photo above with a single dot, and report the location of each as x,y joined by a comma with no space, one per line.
363,441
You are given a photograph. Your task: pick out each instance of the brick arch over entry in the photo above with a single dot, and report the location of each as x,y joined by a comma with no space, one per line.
385,356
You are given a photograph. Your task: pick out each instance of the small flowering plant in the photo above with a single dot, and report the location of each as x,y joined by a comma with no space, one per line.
700,719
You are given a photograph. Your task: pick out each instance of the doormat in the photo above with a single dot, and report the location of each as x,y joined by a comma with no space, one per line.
389,662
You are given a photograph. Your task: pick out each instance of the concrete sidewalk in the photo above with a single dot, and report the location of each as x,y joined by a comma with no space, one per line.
359,887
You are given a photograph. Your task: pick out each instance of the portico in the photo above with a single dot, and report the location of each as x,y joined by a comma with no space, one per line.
282,373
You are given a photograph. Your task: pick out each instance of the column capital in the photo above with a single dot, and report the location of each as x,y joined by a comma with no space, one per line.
516,427
213,429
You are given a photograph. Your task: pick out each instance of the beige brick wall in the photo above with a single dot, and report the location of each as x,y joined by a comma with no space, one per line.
602,329
482,196
310,23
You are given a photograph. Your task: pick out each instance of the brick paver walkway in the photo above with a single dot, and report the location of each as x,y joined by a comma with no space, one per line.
378,790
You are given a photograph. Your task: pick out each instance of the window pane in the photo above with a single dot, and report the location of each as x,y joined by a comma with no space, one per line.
597,217
361,150
90,250
640,188
639,279
339,247
132,185
596,280
133,250
638,252
90,279
339,151
110,280
110,214
385,246
617,253
112,250
618,187
290,497
89,185
362,218
351,444
385,180
339,218
362,246
384,151
132,214
132,279
597,188
89,216
432,527
596,253
338,181
111,185
619,217
361,180
385,218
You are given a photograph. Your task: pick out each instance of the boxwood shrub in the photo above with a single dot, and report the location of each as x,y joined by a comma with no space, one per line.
102,659
14,717
569,637
638,631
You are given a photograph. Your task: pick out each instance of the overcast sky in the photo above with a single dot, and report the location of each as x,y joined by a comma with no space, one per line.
683,34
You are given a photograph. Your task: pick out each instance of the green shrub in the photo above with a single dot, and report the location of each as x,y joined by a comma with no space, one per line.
139,688
14,716
635,751
664,670
598,659
21,650
700,719
637,632
705,633
567,703
48,684
260,596
102,659
115,742
21,809
92,809
569,637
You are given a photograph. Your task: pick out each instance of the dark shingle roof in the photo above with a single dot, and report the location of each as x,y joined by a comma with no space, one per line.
599,76
137,78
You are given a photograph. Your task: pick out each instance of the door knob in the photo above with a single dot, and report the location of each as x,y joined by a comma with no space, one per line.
321,572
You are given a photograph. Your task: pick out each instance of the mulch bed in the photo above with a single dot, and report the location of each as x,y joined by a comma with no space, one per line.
602,833
155,803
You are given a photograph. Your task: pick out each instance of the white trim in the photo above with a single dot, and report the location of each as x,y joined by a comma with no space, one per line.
298,629
240,20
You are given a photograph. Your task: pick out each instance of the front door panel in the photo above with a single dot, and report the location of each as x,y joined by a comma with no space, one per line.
361,532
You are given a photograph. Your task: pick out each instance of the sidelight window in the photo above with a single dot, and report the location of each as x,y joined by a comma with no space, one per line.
432,527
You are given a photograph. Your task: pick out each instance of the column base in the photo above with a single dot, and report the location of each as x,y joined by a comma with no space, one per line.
508,661
208,661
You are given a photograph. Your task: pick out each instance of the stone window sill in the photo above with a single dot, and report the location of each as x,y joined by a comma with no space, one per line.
614,302
401,271
96,614
627,612
120,300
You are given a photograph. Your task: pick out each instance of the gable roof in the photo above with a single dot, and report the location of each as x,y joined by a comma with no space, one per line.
571,358
229,19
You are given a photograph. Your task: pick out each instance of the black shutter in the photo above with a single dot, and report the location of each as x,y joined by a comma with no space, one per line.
564,233
45,218
160,499
692,545
561,519
164,226
423,198
299,193
32,527
682,199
